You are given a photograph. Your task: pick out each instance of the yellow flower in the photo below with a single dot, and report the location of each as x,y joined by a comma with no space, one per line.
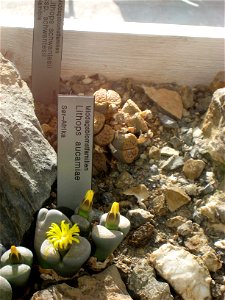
113,217
86,204
62,237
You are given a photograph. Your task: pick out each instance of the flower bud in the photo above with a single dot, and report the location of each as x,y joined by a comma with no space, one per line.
15,256
113,217
86,205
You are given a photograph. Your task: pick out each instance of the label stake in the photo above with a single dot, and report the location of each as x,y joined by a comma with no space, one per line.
75,147
47,49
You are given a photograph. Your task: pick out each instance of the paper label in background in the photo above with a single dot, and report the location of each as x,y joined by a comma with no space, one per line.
47,49
75,147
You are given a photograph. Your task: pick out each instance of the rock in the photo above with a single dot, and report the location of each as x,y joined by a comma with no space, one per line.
141,236
176,142
211,260
193,168
168,100
203,104
143,284
185,272
197,132
172,163
187,96
87,80
159,205
198,245
218,227
154,170
220,244
185,229
194,153
218,81
191,189
176,221
138,123
154,153
130,107
63,290
146,114
105,285
125,180
175,198
167,121
107,198
207,189
28,167
138,217
140,191
214,209
188,137
196,242
168,151
213,127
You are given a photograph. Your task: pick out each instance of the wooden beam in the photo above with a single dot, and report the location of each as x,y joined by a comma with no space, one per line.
146,52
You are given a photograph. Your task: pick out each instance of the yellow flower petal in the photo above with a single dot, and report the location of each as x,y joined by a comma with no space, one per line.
115,208
62,236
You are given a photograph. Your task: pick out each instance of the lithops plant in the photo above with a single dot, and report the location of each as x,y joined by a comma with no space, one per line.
99,161
134,117
99,122
110,232
125,147
58,244
82,216
5,289
115,128
16,265
107,102
105,136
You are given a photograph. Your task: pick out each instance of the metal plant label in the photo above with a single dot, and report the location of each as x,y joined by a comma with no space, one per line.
47,49
75,147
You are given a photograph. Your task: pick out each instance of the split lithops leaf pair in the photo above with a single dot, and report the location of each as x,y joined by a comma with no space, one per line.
16,265
110,232
58,244
5,289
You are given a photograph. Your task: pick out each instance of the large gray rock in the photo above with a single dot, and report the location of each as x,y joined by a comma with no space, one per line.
105,285
27,160
214,127
144,285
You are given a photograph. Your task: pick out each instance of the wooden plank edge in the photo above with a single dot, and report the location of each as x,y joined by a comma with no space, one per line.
185,60
124,27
